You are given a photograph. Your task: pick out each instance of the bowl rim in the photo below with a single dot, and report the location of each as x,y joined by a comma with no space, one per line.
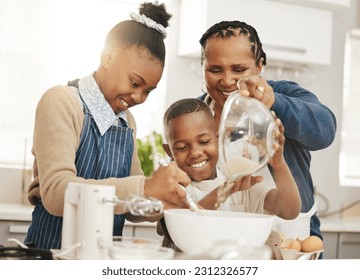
229,214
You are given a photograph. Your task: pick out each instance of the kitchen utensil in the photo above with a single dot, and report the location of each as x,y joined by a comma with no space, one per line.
246,136
89,215
192,233
19,253
190,201
133,248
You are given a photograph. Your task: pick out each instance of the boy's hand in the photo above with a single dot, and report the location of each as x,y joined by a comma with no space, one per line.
278,159
245,182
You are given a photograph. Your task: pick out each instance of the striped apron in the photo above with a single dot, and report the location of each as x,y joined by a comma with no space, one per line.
98,157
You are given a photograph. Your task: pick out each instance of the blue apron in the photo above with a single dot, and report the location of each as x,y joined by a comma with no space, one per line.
98,157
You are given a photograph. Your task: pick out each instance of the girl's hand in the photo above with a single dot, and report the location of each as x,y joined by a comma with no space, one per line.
164,185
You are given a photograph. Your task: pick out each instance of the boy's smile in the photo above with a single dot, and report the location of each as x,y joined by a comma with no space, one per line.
194,145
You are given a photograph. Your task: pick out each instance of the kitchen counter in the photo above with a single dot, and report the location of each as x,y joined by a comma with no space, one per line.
337,224
20,212
15,219
15,212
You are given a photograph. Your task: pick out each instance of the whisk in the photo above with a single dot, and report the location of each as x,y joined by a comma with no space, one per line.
139,205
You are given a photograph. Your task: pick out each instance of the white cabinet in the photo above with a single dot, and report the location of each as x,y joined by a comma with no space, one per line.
349,246
340,245
290,33
330,245
325,4
341,237
143,229
13,229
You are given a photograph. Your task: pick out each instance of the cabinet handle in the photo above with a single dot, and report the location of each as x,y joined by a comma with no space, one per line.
18,229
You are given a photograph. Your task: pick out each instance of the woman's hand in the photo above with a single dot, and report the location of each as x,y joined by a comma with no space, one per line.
257,87
164,185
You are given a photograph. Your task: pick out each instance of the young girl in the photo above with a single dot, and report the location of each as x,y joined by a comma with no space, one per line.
191,140
85,133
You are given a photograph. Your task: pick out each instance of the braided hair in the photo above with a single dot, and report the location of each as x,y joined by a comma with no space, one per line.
182,107
133,33
226,29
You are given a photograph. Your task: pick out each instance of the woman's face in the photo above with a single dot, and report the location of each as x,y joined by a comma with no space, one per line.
194,145
226,61
127,76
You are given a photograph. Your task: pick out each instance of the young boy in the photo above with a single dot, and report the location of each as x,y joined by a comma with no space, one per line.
191,140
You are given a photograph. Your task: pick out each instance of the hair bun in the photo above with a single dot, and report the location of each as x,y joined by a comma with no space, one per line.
155,11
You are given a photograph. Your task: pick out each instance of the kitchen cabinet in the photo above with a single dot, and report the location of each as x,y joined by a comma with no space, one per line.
339,245
13,229
289,33
330,245
341,238
324,4
14,221
144,229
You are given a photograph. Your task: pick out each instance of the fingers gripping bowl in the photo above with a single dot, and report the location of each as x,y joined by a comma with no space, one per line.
191,231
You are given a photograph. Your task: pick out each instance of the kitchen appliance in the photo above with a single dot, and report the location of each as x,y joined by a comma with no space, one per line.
19,253
88,216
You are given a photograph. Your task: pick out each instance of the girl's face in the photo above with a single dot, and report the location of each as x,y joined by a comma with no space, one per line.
226,61
127,75
194,145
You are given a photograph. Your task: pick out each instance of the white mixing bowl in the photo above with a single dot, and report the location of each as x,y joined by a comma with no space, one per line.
191,232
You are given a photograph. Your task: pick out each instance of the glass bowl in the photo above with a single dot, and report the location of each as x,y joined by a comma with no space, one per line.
133,248
246,136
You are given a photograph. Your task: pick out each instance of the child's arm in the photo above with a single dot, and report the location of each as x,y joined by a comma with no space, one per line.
284,201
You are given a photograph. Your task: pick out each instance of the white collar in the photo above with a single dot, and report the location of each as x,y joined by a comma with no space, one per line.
100,109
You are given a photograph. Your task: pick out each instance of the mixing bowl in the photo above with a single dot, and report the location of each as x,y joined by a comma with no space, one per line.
191,232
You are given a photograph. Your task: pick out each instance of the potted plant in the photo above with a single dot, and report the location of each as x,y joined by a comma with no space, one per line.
146,148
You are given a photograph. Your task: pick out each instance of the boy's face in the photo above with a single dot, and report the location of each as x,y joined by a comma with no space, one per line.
194,145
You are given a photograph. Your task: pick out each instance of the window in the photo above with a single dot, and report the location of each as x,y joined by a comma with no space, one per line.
45,43
350,133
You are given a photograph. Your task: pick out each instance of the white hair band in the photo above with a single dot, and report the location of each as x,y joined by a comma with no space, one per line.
149,22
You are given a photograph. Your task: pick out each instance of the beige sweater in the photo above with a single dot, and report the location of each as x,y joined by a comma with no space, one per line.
58,125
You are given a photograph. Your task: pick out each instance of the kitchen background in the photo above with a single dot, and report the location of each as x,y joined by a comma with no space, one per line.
43,43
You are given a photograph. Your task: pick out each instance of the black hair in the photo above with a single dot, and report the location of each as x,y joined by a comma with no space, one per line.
133,33
226,29
182,107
